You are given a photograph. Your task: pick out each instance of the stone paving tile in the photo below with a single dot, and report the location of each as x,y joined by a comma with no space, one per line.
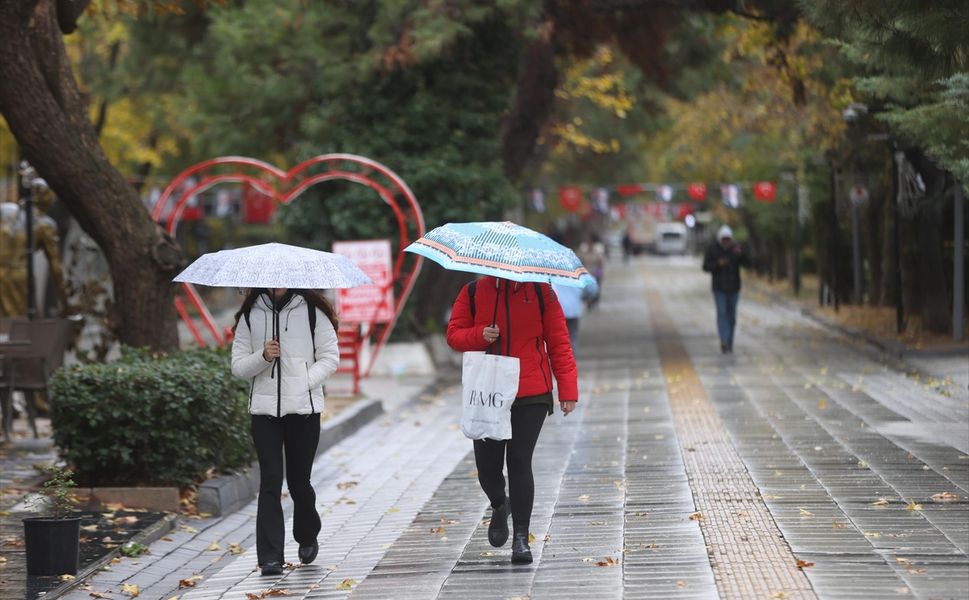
784,447
782,403
393,481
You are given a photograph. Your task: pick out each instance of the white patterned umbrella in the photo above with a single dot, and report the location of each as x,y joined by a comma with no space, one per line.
274,266
502,249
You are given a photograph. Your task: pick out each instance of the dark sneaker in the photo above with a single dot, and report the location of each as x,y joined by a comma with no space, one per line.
272,568
307,554
498,528
521,554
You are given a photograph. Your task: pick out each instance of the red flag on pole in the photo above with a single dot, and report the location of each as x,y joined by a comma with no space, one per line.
765,191
570,197
697,191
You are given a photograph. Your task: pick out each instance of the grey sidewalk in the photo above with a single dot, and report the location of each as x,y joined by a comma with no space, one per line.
684,474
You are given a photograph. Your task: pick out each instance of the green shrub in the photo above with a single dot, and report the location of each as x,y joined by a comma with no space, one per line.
151,419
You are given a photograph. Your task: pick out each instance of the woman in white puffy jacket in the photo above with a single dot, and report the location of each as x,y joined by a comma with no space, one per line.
286,363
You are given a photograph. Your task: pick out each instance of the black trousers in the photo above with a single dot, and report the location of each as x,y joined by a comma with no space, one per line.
490,455
296,437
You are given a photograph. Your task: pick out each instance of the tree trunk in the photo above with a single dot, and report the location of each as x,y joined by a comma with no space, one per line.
42,105
532,103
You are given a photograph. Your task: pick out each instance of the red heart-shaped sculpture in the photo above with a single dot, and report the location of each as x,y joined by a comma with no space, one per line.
284,187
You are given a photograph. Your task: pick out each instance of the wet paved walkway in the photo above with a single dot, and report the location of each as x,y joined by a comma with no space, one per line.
799,467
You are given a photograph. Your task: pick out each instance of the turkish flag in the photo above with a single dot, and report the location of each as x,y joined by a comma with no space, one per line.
683,210
697,191
765,191
570,198
629,189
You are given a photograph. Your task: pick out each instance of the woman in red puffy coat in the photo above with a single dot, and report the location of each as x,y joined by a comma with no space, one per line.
522,320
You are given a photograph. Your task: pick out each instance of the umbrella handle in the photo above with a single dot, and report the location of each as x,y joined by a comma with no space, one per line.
494,316
275,368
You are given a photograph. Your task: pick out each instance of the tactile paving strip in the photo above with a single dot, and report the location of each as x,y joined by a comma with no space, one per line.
749,557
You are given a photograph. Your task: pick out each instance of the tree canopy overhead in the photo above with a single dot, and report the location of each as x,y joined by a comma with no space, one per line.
468,100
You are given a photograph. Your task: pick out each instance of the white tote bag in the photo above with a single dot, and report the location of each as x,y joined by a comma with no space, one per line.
490,383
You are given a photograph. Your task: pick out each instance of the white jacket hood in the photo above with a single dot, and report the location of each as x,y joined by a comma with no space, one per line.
295,385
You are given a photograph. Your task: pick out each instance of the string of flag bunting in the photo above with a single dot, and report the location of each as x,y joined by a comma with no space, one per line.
600,199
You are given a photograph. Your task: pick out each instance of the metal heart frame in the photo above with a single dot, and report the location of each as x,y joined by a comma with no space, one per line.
284,187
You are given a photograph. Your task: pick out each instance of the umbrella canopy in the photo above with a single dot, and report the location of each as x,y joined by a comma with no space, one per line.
503,250
274,266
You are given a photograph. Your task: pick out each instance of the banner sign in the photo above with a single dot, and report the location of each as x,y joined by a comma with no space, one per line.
730,195
357,305
570,197
537,198
697,191
765,191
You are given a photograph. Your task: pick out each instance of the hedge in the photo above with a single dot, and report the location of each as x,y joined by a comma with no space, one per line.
151,419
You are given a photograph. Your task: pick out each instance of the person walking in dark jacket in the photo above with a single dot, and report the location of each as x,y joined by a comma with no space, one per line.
723,260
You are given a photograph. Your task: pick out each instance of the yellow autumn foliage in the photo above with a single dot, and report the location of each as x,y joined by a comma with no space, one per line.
599,80
755,121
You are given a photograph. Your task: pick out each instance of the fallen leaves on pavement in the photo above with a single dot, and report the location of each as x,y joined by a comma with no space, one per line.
270,593
805,512
236,548
190,582
945,497
345,485
130,588
346,584
909,567
607,562
803,564
880,502
913,506
696,516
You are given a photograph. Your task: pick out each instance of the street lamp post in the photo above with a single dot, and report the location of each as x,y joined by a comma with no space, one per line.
897,246
958,265
26,175
833,236
850,116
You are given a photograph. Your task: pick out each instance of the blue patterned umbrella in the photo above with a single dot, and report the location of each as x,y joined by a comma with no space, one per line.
503,250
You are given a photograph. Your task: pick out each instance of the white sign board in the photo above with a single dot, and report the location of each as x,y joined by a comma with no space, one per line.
360,304
858,194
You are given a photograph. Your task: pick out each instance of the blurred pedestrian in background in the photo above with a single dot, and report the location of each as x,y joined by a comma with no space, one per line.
592,253
723,259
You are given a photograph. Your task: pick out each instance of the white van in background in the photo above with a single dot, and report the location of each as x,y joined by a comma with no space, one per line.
671,238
